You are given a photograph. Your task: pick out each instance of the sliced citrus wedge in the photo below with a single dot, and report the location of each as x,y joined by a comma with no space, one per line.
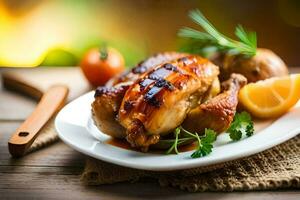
271,97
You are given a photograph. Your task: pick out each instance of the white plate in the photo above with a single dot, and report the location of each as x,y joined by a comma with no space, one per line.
75,127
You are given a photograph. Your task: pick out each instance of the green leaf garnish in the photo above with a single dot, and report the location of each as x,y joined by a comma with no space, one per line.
205,144
246,45
242,124
247,38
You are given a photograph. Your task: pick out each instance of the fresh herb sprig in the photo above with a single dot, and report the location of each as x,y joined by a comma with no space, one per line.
204,142
241,124
212,39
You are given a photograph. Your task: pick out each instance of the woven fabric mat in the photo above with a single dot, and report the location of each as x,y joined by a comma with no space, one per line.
46,137
276,168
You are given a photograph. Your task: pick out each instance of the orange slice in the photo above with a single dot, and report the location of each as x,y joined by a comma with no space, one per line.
271,97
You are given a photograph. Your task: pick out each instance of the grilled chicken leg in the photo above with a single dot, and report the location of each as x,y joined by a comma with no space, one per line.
218,112
160,99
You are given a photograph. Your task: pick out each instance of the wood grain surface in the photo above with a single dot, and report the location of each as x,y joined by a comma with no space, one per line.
53,172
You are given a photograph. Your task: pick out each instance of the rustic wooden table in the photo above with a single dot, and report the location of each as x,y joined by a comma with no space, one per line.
53,173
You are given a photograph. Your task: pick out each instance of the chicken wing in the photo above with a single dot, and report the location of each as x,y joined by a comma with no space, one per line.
218,112
160,99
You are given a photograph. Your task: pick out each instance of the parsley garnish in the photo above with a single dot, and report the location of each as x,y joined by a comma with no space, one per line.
242,124
205,142
212,40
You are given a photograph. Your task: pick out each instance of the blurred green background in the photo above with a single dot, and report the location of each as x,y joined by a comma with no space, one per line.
58,32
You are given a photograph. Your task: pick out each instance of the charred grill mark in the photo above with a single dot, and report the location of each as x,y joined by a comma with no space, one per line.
159,73
144,83
139,69
151,95
171,67
154,76
146,65
164,83
151,98
128,105
184,60
102,90
159,76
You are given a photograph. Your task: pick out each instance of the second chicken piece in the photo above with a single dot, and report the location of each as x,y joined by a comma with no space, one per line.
217,113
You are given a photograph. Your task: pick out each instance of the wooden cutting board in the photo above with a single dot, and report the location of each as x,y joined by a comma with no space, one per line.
34,82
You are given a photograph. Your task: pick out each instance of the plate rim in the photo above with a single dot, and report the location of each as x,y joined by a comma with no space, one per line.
186,165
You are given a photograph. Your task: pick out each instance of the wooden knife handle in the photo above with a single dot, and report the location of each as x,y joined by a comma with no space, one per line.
49,104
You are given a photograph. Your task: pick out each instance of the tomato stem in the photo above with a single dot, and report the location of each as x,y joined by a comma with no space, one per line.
103,52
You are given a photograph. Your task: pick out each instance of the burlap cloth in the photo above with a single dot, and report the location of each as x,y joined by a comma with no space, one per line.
276,168
47,136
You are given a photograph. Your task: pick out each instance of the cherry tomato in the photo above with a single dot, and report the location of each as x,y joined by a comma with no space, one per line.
99,65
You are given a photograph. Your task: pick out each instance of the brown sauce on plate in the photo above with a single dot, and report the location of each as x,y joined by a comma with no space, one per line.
121,143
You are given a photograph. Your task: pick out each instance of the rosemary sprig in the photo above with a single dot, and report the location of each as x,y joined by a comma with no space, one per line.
246,45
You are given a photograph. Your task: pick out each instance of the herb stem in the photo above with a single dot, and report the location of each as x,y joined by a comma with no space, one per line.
246,45
187,132
176,141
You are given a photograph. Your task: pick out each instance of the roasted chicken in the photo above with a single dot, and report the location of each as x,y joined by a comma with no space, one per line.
160,99
162,93
108,98
216,113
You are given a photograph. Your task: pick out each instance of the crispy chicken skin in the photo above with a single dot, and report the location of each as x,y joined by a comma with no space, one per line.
105,108
144,66
218,112
160,99
108,98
